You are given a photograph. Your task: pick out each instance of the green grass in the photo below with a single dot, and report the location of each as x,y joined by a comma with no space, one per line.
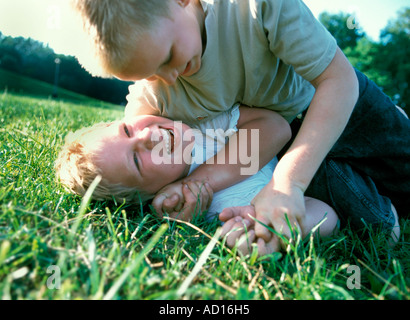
106,251
21,85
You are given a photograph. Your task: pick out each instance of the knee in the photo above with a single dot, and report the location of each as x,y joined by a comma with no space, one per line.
318,212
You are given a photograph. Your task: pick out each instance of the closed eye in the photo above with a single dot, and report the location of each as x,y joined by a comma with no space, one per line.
169,58
126,131
136,161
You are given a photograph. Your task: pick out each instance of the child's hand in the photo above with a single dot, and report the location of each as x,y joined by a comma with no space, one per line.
274,206
182,200
239,229
169,199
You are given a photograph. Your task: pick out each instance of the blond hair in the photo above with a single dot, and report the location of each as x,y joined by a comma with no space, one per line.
76,168
115,26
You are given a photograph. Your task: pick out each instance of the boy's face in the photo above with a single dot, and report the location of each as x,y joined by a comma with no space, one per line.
170,49
145,152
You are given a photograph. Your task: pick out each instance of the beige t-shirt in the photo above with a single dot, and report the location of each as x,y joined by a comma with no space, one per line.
261,53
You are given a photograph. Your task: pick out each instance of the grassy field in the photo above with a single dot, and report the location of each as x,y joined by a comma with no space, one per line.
54,245
21,85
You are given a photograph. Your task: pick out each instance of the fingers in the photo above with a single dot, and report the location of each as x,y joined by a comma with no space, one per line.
241,211
288,227
240,233
197,198
245,242
227,214
198,194
162,203
234,228
168,199
209,193
190,205
284,228
268,242
261,231
157,203
187,198
264,248
173,203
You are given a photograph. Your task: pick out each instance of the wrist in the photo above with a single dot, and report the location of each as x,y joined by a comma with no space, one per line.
284,181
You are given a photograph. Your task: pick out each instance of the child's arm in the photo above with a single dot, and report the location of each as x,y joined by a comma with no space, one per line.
273,133
256,126
328,114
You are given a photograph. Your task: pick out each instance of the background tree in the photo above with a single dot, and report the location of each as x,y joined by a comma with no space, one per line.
343,27
387,62
362,57
10,57
393,58
34,59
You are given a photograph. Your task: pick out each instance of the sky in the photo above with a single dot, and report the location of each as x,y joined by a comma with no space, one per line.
53,22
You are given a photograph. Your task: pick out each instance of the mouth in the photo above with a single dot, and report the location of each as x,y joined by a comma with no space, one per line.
168,137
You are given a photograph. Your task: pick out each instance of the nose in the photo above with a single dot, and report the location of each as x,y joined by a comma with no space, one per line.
144,139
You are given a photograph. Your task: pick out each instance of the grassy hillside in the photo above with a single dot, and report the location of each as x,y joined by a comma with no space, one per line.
18,84
53,245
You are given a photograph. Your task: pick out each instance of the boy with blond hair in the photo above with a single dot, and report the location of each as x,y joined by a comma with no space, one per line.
147,153
203,56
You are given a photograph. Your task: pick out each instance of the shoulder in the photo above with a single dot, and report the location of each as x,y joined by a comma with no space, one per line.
141,100
262,15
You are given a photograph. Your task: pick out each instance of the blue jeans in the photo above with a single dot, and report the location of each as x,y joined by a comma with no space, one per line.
368,168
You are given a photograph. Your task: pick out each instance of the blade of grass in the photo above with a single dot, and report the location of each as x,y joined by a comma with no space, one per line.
215,279
387,282
85,202
202,259
120,281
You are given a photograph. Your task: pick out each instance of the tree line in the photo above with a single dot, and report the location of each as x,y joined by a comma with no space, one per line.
33,59
386,62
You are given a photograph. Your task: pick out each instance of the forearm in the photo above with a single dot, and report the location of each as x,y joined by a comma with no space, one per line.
272,133
328,114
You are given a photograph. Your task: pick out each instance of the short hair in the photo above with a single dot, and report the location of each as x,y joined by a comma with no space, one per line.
115,25
76,168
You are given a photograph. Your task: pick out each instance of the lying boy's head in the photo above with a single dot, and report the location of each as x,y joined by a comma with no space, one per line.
135,158
145,39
